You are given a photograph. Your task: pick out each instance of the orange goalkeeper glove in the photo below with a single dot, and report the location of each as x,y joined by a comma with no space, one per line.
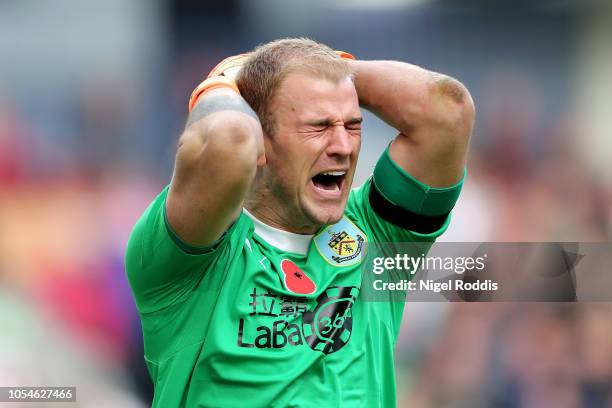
345,55
223,75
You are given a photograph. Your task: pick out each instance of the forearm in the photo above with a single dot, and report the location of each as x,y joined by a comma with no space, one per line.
222,120
433,113
215,166
222,128
405,95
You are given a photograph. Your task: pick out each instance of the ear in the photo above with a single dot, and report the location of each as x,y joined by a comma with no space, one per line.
261,160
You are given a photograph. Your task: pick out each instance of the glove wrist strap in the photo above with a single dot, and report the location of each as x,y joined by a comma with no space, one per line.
208,85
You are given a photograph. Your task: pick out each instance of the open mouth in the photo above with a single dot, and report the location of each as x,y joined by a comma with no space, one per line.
329,180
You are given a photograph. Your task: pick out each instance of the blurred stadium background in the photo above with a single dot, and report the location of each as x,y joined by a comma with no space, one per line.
93,97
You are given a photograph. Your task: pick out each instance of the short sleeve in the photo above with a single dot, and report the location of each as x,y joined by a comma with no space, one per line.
163,270
395,207
360,211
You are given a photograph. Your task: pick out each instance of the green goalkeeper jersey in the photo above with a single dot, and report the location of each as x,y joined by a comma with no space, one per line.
268,318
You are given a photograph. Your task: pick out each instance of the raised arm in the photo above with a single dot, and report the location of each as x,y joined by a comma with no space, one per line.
215,165
433,113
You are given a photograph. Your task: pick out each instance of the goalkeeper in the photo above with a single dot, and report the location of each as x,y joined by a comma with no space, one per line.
246,268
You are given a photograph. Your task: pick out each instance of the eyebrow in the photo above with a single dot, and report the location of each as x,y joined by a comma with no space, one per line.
329,122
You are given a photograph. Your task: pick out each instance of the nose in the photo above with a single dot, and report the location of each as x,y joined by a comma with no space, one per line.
340,143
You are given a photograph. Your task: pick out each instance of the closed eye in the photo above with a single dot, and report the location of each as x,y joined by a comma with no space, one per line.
353,124
314,129
319,125
322,125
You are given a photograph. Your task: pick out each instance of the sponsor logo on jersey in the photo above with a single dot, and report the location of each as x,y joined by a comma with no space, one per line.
341,244
328,327
325,326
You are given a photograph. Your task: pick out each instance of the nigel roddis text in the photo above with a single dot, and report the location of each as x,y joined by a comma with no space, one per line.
277,333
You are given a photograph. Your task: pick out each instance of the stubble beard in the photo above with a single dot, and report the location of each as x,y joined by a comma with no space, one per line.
275,204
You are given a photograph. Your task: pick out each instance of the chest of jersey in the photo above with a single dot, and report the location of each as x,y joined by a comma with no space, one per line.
292,319
305,301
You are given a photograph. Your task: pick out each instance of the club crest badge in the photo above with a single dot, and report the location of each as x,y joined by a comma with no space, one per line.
341,244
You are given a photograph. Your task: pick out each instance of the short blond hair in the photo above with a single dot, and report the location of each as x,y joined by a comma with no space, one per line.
267,66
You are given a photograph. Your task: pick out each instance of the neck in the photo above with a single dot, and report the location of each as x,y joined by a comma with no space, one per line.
270,215
267,207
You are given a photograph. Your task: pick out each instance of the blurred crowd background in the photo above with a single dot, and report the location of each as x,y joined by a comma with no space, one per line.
93,97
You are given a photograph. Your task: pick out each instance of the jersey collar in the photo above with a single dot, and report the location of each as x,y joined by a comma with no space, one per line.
283,240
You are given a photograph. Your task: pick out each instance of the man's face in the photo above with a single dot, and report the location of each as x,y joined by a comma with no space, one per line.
312,154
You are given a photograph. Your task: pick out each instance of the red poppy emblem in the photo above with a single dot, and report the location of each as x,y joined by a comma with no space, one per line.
295,279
